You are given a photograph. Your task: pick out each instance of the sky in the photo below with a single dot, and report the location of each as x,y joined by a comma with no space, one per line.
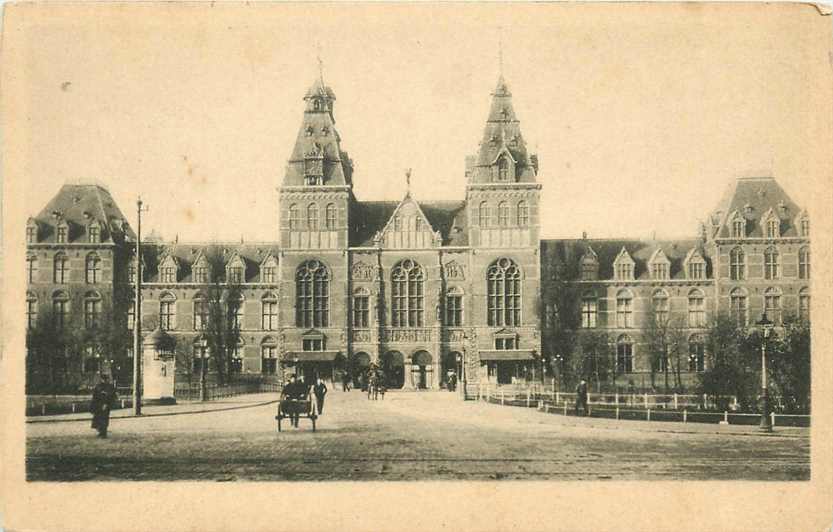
640,119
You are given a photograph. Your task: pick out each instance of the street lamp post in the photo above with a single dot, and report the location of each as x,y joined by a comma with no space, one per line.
137,314
559,358
766,330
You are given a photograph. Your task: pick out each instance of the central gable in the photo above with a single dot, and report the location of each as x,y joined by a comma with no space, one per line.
408,228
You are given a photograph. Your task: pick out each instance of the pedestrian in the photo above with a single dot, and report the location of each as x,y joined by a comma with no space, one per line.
581,397
320,390
452,382
345,381
104,394
294,392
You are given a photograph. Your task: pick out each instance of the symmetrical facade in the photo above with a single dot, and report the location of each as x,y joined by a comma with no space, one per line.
424,288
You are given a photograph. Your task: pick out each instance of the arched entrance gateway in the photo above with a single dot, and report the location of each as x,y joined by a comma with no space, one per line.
393,367
450,365
422,370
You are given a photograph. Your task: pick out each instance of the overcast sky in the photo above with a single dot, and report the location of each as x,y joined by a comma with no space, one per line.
641,120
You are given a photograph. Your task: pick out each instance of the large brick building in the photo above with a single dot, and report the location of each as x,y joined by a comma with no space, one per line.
423,288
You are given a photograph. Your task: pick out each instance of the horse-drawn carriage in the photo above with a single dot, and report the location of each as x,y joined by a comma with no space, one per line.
300,408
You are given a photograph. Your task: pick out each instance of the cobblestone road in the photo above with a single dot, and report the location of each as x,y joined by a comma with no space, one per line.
410,436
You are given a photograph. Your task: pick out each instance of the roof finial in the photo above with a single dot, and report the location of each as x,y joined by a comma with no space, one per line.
408,180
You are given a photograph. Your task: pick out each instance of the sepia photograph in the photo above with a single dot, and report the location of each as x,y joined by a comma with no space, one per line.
398,243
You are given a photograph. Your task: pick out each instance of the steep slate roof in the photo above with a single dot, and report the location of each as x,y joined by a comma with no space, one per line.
370,217
72,201
571,251
502,134
760,193
318,133
186,254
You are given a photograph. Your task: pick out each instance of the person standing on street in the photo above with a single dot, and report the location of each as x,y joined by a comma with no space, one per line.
320,390
104,394
581,397
345,381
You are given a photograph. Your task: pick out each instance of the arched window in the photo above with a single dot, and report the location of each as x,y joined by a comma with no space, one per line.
361,308
268,356
696,309
330,217
312,217
772,305
589,310
804,263
503,214
739,306
60,273
454,307
624,309
660,307
31,310
312,295
92,310
60,309
200,312
523,214
504,293
485,214
93,268
804,304
167,312
31,268
294,218
771,264
737,264
407,299
624,354
696,353
269,312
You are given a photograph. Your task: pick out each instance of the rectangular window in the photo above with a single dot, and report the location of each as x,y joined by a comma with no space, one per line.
168,275
270,316
31,234
201,274
361,312
739,310
772,307
313,344
31,268
659,271
269,274
131,272
696,311
167,315
95,234
131,315
589,308
235,275
804,306
200,314
31,313
624,358
92,313
454,310
803,263
503,343
624,271
624,312
696,270
60,311
269,360
62,234
696,357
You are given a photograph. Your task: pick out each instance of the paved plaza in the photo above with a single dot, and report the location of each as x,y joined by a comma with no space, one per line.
407,436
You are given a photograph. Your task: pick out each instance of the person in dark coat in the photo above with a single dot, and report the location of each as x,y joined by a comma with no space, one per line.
104,395
294,391
345,381
320,390
581,397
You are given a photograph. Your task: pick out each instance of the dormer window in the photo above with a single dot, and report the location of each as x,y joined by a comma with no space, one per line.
503,169
805,227
738,228
316,104
696,270
62,233
168,274
772,228
623,266
201,274
659,271
269,271
31,233
94,233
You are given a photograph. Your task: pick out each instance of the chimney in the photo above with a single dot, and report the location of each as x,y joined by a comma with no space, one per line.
584,235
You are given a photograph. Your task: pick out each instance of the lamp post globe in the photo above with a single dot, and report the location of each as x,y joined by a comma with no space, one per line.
765,326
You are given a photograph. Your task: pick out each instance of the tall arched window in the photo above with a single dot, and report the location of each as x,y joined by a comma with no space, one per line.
485,214
92,310
407,294
330,217
660,304
294,218
739,306
167,312
31,268
804,304
454,307
523,214
31,310
200,312
624,309
312,295
772,305
624,354
312,217
60,273
696,309
60,309
269,312
503,214
771,265
93,268
361,308
697,353
237,309
589,310
804,263
504,293
737,264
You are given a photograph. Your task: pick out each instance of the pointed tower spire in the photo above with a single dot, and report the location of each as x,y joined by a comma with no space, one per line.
408,182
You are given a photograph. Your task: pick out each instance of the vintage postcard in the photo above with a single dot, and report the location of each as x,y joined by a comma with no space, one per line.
515,266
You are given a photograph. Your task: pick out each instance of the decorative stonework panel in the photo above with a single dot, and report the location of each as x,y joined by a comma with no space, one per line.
406,335
361,336
455,271
362,271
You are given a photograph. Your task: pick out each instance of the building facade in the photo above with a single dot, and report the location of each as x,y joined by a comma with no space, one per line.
425,288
